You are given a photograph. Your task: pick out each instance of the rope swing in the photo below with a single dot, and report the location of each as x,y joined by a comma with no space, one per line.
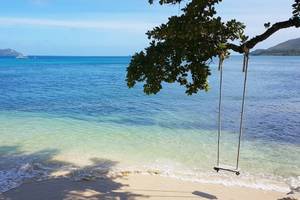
245,71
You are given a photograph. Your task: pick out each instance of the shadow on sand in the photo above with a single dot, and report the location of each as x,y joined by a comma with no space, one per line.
84,187
204,195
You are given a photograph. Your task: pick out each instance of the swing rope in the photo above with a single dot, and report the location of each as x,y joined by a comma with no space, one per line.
245,70
221,61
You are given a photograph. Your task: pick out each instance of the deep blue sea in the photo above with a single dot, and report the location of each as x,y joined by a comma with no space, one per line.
63,112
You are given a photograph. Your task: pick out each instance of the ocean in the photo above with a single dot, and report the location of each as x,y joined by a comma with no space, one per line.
64,113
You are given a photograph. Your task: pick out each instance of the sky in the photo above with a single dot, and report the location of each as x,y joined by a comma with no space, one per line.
115,27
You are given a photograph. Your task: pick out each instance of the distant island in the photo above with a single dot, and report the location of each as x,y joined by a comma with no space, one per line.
10,53
288,48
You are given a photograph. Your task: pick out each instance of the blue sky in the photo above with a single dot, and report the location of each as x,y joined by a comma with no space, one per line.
114,27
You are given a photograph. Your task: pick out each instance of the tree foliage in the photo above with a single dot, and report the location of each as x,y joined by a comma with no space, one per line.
181,49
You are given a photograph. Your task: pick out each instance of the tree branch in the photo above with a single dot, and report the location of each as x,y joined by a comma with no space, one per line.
257,39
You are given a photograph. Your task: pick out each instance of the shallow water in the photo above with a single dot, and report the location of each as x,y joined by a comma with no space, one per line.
77,112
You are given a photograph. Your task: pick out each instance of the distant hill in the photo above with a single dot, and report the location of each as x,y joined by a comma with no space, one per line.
288,48
9,53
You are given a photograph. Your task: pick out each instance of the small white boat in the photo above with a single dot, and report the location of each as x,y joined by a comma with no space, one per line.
21,57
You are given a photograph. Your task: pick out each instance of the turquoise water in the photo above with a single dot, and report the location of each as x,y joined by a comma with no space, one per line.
66,112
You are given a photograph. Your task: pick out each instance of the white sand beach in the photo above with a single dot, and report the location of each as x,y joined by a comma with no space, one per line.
136,186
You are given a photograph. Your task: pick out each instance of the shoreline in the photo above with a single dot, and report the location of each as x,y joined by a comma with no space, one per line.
37,172
136,186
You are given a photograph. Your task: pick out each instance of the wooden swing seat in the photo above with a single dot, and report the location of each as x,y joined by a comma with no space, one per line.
227,168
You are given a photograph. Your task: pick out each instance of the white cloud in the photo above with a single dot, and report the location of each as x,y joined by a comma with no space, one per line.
127,25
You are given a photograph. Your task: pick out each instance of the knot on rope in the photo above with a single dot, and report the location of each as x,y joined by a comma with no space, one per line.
246,59
221,60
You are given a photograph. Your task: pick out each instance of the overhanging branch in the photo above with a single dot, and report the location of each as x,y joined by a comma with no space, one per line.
293,22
